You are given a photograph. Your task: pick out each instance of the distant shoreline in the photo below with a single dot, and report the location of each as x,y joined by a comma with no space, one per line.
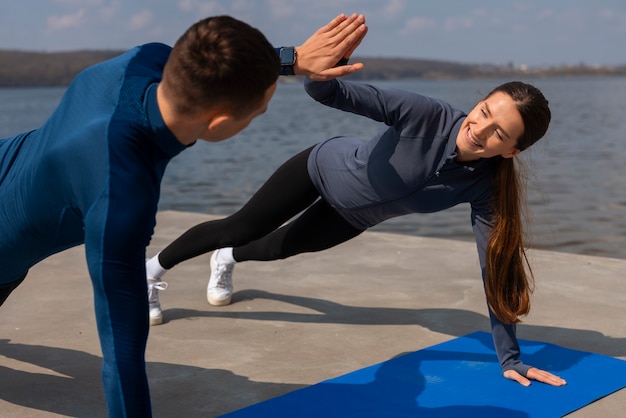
49,69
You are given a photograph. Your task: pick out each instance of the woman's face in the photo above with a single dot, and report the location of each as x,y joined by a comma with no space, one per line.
492,128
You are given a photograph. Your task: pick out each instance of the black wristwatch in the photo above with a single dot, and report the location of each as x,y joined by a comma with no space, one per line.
287,59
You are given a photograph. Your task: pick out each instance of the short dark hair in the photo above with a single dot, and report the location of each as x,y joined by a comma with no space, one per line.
532,106
220,61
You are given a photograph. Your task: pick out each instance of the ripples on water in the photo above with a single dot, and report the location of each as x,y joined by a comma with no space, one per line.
577,187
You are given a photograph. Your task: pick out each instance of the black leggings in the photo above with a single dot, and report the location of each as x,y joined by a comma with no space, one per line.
252,231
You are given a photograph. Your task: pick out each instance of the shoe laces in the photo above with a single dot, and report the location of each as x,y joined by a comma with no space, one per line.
153,289
224,275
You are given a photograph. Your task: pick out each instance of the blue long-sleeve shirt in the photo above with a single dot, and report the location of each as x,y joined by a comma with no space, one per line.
91,174
409,168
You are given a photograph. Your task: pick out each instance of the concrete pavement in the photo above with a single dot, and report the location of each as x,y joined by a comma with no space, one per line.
292,323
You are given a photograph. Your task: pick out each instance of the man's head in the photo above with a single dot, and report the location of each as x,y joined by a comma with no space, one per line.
220,63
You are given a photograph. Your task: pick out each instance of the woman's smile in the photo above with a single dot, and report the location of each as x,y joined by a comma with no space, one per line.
471,139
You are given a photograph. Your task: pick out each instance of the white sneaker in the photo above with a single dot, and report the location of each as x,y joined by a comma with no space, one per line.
220,289
156,315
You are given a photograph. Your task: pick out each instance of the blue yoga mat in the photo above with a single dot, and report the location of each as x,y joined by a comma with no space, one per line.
458,378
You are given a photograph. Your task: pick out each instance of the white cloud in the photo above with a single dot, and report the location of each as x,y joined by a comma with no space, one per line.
455,23
78,3
613,20
186,5
110,11
140,20
393,8
73,20
281,8
477,19
415,24
243,6
201,8
546,14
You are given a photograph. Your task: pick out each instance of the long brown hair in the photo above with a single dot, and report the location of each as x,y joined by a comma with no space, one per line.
509,280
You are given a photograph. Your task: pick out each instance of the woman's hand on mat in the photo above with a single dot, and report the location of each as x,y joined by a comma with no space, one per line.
535,374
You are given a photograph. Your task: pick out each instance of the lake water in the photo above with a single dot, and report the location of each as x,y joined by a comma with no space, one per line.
576,174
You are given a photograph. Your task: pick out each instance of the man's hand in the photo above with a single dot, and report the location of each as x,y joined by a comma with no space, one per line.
318,56
535,374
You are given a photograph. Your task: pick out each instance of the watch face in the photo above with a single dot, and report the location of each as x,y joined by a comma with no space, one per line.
287,56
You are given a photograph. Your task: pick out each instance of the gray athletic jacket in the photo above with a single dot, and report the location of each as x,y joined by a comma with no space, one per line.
408,168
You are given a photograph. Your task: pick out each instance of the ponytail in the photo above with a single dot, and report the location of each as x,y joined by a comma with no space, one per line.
509,281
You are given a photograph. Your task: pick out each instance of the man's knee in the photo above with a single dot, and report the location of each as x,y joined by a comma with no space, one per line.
6,289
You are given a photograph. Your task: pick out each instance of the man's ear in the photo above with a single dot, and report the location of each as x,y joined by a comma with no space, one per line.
217,120
511,154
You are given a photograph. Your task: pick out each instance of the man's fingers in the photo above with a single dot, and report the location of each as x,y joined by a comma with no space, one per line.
349,39
334,23
337,24
347,26
354,41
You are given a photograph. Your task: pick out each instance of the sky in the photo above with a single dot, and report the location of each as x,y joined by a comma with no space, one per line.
531,32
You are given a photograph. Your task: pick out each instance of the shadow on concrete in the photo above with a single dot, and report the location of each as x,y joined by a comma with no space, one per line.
455,322
71,385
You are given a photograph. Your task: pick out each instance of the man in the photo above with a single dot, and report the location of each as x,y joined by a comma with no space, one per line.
91,174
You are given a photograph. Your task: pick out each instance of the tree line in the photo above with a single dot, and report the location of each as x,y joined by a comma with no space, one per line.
31,69
25,69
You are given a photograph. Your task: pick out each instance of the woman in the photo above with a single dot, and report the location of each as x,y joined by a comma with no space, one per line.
431,157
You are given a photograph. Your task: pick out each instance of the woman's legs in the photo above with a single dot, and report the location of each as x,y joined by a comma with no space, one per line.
285,194
320,227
